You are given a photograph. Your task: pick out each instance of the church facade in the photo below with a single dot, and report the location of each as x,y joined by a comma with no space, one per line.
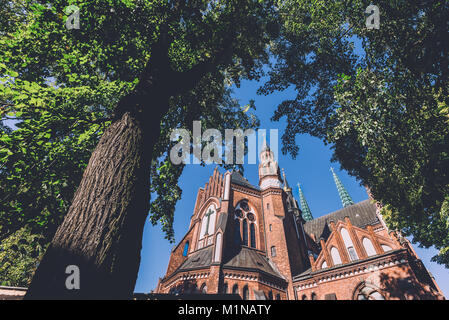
260,243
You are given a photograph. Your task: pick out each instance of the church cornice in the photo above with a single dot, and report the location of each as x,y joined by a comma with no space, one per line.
272,190
355,268
185,275
256,276
248,191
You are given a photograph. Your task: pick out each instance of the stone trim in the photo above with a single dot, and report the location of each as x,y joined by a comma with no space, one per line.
346,271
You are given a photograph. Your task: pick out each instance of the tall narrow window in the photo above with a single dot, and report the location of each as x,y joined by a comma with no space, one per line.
208,222
212,218
273,251
203,227
348,243
352,253
245,293
203,288
270,295
217,248
225,288
278,297
237,239
245,232
186,249
235,289
369,248
335,256
252,233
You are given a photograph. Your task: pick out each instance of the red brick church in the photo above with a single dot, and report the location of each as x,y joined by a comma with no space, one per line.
259,243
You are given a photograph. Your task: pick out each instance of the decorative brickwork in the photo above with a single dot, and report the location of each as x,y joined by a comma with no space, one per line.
254,241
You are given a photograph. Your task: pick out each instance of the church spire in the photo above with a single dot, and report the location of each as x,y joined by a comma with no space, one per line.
286,186
345,198
269,173
265,144
306,213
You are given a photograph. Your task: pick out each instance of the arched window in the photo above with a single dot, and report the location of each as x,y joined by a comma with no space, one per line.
208,222
225,288
245,293
237,239
369,248
324,264
278,297
212,218
186,249
304,297
203,288
335,256
270,295
349,245
245,232
314,297
252,233
386,248
367,292
235,289
273,251
218,241
203,228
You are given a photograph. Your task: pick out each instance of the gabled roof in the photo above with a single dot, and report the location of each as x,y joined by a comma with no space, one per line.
237,178
361,215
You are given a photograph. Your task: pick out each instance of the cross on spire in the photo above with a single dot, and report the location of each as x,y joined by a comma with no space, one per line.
345,198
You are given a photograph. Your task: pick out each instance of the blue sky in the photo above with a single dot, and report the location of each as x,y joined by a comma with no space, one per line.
311,168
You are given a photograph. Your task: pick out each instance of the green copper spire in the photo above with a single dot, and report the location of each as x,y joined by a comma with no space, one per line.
346,199
306,214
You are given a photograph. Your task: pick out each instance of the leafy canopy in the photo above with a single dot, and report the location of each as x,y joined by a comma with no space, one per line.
60,89
379,97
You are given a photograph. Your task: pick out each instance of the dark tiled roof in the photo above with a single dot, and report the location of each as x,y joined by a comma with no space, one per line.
245,258
248,258
361,214
237,178
201,258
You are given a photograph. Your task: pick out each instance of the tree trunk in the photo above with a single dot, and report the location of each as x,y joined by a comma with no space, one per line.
102,231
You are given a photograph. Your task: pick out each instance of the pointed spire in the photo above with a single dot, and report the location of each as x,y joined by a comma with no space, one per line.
345,198
306,213
286,186
264,143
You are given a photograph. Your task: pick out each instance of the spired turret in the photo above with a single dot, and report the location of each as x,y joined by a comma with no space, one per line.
269,173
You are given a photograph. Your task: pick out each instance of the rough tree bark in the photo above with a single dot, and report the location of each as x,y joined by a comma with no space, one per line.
102,231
